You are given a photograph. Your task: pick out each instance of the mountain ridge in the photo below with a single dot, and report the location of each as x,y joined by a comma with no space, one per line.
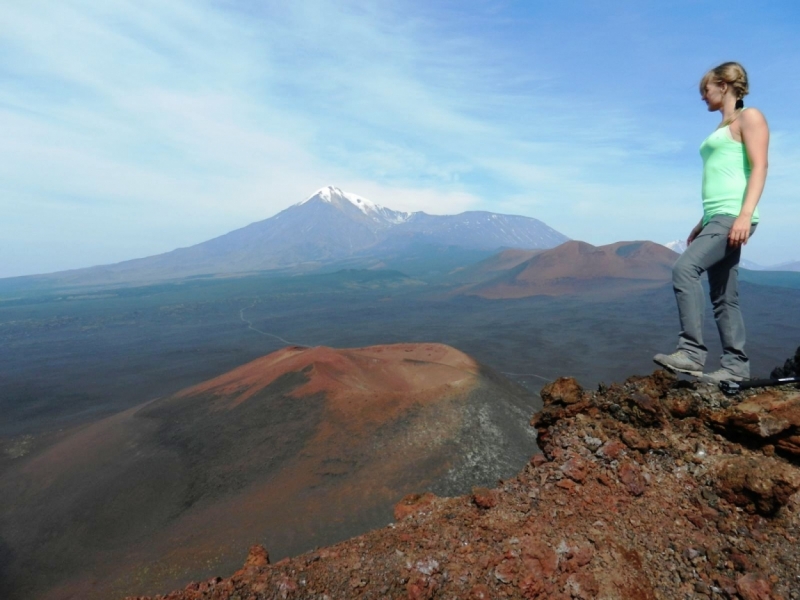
327,227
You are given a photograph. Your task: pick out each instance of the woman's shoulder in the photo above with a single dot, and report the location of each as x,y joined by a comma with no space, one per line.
751,115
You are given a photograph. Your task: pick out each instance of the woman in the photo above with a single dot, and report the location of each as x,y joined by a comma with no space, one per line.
734,172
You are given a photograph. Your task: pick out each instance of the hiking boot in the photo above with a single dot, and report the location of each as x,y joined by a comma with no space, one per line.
679,362
720,375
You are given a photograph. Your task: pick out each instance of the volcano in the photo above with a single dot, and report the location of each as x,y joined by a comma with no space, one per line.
328,227
299,448
580,268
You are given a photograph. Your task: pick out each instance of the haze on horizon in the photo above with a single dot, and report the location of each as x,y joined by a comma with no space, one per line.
132,128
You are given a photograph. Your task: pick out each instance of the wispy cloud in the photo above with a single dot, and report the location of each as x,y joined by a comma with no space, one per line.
130,128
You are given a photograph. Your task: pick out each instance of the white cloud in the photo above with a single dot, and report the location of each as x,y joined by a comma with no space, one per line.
131,127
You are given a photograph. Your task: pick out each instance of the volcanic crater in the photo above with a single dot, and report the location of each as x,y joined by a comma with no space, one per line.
300,448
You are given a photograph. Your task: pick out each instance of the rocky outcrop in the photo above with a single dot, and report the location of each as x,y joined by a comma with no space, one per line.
653,488
791,367
770,420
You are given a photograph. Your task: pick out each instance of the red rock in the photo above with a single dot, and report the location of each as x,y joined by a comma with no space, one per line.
505,571
566,484
631,477
611,450
709,513
645,410
484,497
757,483
741,562
789,444
576,469
419,589
542,559
753,587
655,385
480,592
659,444
564,390
531,585
726,584
633,440
411,504
286,586
696,520
416,590
583,556
257,557
767,415
682,406
583,586
538,460
605,479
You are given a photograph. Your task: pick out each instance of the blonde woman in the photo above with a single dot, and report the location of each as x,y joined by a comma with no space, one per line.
734,172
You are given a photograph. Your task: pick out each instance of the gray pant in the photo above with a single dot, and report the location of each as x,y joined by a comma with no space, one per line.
710,252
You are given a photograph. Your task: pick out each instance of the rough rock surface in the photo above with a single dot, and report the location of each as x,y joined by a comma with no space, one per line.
655,488
790,368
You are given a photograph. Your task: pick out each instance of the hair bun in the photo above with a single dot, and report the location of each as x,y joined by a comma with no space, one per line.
731,73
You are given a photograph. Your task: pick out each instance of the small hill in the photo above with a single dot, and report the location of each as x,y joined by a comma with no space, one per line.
580,268
497,263
653,488
300,448
787,266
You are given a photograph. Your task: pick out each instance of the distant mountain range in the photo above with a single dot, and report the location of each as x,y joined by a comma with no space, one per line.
328,227
679,246
787,266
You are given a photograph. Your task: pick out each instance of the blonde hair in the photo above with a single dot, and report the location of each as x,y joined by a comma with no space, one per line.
731,73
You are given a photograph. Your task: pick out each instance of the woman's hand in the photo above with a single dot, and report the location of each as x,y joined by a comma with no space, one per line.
740,231
694,233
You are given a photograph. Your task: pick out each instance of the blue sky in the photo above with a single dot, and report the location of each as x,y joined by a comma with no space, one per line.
132,128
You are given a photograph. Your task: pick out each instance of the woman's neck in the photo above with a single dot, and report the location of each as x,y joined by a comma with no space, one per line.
728,110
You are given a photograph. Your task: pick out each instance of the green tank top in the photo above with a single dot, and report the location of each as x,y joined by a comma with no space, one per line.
726,171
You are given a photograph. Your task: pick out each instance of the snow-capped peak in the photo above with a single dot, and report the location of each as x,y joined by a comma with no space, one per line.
334,195
678,246
325,194
365,205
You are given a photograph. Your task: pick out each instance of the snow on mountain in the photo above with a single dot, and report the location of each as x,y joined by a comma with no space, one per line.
678,246
327,227
336,197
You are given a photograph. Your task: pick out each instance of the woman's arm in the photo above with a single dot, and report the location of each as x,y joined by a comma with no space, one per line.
755,136
694,232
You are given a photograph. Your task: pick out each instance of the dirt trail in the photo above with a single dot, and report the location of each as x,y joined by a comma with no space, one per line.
272,335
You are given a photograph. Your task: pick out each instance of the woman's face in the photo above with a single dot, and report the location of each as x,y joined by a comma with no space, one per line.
714,95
